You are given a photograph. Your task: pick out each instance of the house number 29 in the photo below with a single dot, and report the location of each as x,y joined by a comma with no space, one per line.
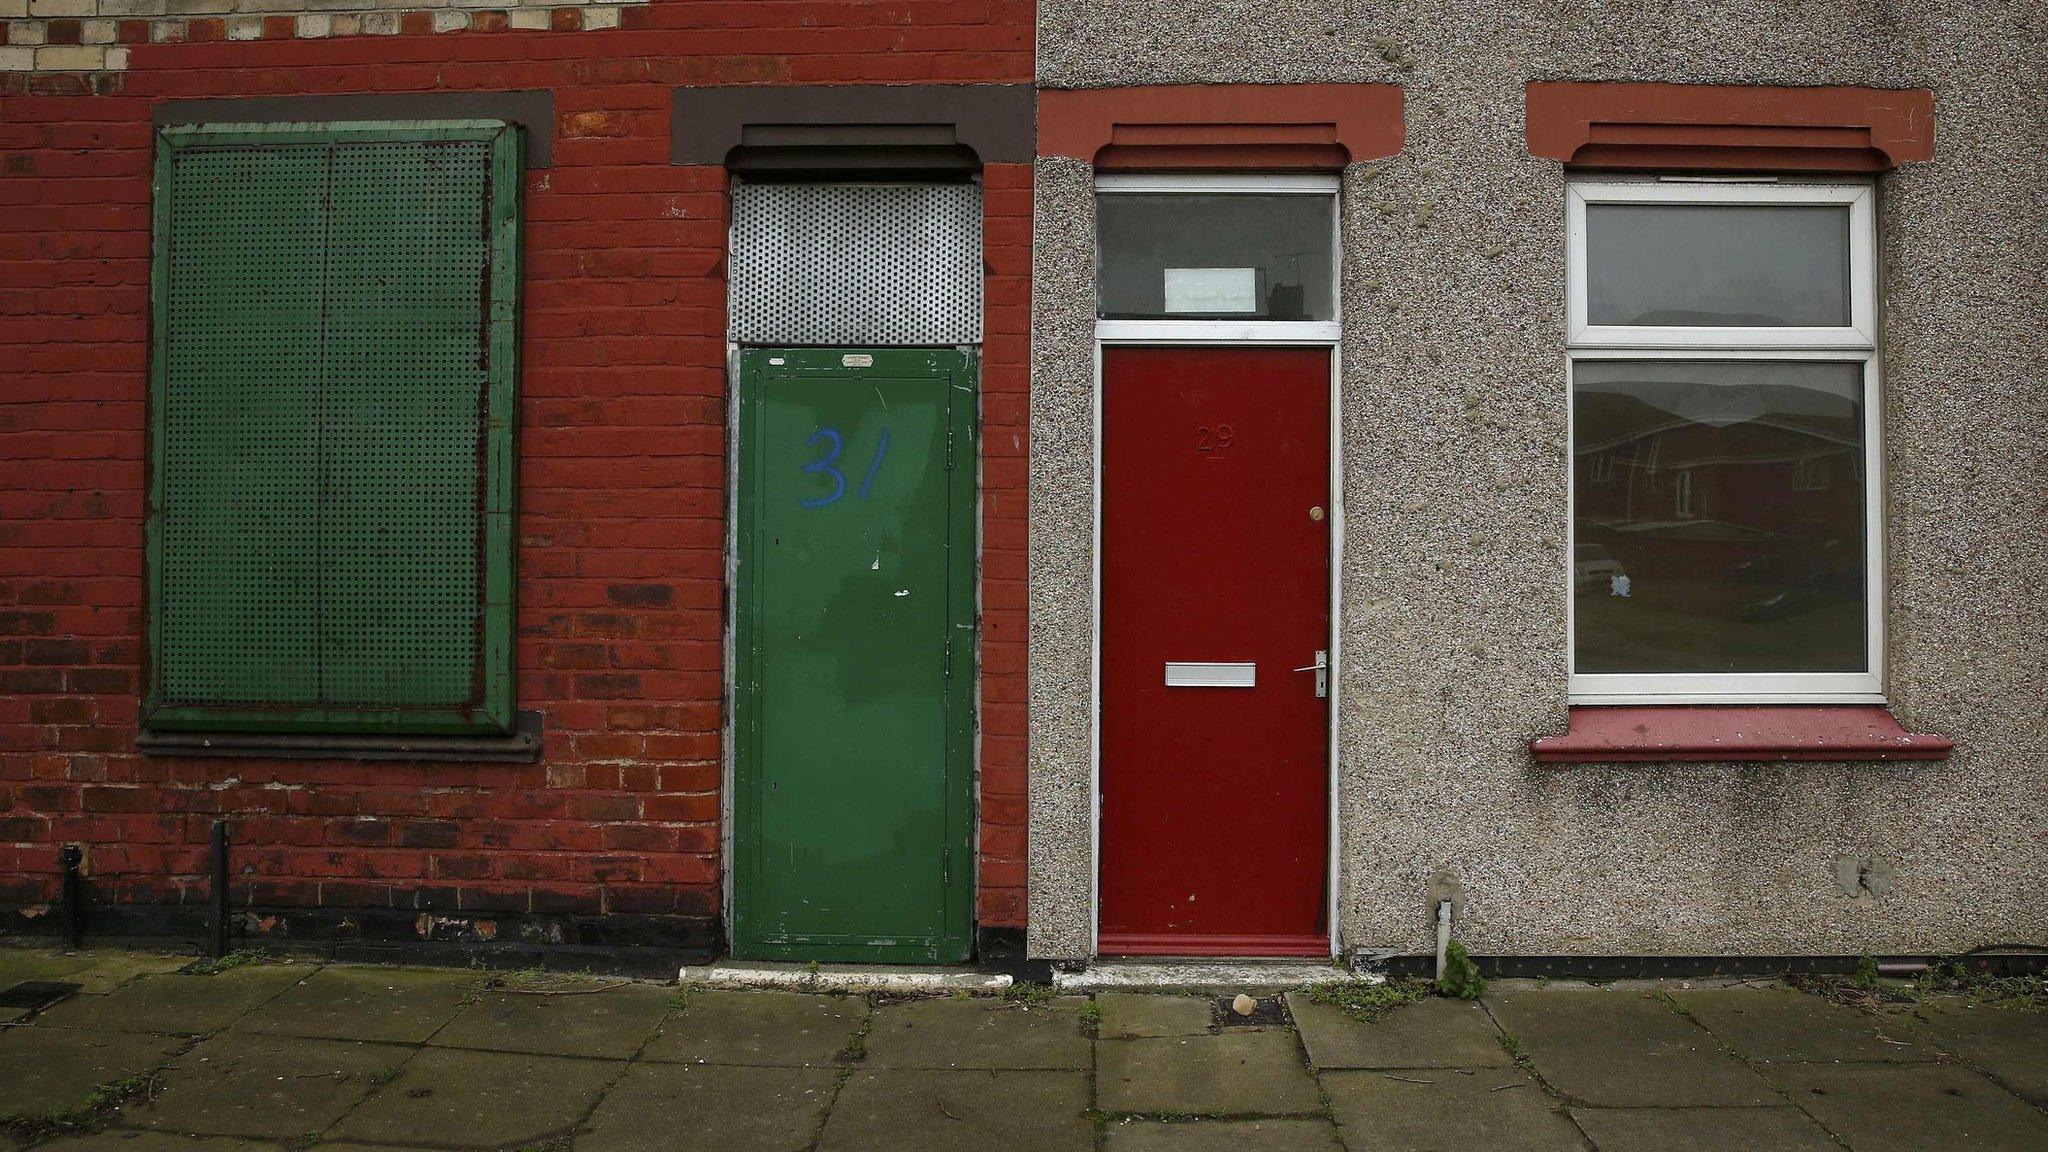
1215,439
828,465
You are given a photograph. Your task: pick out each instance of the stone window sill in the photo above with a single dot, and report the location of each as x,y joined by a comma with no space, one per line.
1607,734
520,746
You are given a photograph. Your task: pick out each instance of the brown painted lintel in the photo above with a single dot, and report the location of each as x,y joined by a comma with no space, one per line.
1222,126
1729,127
853,128
532,110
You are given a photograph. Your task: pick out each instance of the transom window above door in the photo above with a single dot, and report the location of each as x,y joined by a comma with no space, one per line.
1726,538
1181,252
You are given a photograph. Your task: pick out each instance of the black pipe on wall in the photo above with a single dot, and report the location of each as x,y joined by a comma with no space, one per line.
74,894
217,912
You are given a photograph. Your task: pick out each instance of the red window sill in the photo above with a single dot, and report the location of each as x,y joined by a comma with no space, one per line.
1606,734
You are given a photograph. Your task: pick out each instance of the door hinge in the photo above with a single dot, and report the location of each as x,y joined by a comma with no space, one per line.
949,448
946,867
946,661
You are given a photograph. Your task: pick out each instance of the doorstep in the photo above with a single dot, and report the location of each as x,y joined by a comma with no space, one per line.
789,976
1207,973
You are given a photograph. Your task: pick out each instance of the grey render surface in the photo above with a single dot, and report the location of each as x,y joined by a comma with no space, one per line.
1454,471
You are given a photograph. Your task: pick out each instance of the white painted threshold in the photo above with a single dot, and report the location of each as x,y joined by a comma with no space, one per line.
1102,975
792,977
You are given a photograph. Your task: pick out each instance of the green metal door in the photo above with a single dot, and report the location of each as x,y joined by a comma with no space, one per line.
854,669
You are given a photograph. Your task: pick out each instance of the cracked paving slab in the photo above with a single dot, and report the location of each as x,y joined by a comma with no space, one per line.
960,1111
391,1005
977,1034
265,1086
608,1023
709,1108
1496,1108
2009,1043
1913,1107
779,1028
1431,1033
46,1070
479,1099
1281,1134
1703,1130
1774,1025
1237,1073
175,1003
1625,1048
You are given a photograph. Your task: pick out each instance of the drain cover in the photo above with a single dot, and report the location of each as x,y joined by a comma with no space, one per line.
36,995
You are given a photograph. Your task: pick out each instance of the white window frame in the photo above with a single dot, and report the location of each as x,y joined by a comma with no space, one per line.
1855,343
1859,333
1225,331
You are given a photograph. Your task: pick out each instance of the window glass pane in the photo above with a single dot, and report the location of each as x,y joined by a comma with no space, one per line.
1718,516
1718,265
1194,256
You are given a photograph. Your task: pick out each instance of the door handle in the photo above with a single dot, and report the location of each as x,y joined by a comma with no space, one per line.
1322,670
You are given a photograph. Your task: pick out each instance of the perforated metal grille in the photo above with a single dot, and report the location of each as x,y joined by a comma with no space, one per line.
856,264
240,448
400,522
322,440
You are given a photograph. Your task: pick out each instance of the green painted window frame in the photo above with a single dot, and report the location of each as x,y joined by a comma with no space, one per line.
491,710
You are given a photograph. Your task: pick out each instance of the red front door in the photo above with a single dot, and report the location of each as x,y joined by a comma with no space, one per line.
1215,590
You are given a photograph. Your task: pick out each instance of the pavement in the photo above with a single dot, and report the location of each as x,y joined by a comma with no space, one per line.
269,1056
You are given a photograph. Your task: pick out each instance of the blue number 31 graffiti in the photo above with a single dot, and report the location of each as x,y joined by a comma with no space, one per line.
828,464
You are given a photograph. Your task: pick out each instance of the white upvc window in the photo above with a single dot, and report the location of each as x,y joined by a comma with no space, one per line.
1216,257
1726,538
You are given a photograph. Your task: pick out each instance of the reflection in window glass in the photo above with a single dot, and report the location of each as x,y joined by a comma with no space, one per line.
1718,516
1717,265
1206,256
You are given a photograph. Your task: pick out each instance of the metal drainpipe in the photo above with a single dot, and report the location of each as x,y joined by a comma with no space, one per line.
1443,934
217,897
74,894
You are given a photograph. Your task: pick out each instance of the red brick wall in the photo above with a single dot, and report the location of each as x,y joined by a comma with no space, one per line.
621,480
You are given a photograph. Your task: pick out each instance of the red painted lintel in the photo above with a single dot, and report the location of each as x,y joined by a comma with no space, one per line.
1606,734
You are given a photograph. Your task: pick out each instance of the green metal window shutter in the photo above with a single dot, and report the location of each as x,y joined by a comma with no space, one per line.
332,397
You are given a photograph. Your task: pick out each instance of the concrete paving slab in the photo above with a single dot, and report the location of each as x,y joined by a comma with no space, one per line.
765,1028
1130,1015
1703,1130
132,1141
1236,1073
2009,1043
1781,1024
188,1005
707,1108
111,970
18,964
611,1022
1913,1107
1432,1033
1625,1049
391,1005
1279,1134
479,1099
960,1111
264,1086
1439,1110
50,1070
977,1034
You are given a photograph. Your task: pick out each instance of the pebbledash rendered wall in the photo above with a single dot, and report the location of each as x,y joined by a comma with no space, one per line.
613,836
1454,463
